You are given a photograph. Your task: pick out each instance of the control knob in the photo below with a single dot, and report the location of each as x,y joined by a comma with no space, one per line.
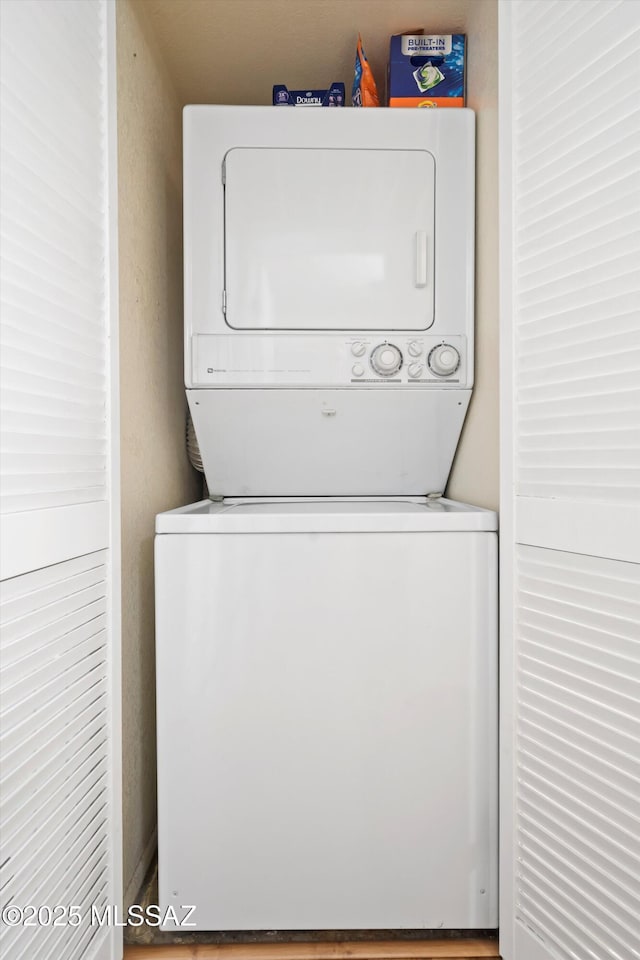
386,359
414,349
415,369
444,360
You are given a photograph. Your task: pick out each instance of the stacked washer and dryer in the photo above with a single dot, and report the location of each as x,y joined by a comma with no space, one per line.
326,621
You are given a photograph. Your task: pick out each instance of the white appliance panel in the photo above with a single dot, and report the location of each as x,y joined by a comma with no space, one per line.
335,767
211,132
317,360
329,239
327,515
344,442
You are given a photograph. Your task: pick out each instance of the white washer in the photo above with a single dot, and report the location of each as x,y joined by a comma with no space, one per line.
326,681
329,297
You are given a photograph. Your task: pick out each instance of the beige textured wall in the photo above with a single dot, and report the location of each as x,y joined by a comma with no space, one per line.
155,473
475,474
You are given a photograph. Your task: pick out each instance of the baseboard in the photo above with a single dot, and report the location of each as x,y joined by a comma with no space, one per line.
140,872
345,950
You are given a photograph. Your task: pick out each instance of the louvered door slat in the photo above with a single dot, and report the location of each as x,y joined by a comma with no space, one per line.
588,673
592,357
577,128
570,402
620,623
579,780
577,253
59,619
607,344
580,729
80,728
616,210
573,752
577,759
23,327
565,920
26,204
22,619
37,354
600,910
618,663
86,876
554,795
55,498
611,857
586,847
70,819
87,826
557,689
78,416
46,386
557,707
543,579
73,689
56,620
80,673
36,940
54,728
16,696
54,234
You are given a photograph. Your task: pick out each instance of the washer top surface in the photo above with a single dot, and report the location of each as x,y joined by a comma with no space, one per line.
327,515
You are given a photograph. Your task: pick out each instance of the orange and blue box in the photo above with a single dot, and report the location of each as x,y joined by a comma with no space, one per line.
427,71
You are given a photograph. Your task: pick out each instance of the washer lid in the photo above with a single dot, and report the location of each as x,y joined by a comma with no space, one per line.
327,515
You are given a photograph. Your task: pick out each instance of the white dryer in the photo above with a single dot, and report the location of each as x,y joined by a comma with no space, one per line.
326,682
329,295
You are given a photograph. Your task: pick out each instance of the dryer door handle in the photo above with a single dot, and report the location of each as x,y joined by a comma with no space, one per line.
421,258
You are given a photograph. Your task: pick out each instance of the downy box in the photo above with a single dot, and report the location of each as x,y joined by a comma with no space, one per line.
333,97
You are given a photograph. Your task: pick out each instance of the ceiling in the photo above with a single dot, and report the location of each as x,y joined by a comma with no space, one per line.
233,51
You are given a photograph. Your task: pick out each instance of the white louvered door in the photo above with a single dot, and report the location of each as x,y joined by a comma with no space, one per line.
60,810
570,554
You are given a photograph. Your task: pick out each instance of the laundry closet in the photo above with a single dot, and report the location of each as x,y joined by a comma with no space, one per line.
159,46
527,396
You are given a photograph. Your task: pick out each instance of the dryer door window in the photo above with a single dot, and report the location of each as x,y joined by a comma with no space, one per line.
329,239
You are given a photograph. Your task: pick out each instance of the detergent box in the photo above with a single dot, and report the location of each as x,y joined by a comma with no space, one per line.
427,71
333,97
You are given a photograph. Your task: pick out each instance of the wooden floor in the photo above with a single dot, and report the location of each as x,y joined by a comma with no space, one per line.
371,950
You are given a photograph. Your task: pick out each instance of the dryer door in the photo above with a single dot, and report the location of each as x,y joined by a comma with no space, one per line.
329,239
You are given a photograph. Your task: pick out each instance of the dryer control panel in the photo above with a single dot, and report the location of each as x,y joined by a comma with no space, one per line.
321,361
